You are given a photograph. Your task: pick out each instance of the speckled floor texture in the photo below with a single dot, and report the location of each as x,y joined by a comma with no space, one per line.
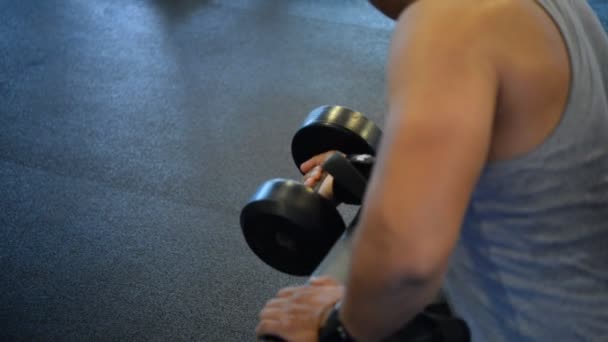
131,134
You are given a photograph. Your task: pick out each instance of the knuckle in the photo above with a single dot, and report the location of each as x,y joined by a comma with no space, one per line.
285,291
273,303
302,297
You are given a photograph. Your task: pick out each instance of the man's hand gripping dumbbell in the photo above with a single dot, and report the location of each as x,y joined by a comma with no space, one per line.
298,313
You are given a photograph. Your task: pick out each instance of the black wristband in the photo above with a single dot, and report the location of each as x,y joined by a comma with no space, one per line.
334,330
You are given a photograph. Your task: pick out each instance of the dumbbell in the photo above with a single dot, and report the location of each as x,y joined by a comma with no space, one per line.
337,125
287,224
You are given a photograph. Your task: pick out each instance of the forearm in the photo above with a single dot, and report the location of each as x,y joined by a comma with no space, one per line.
382,292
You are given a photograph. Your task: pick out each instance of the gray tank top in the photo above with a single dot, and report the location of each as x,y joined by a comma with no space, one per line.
532,261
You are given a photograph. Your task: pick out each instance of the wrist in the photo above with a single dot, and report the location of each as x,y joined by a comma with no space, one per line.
334,330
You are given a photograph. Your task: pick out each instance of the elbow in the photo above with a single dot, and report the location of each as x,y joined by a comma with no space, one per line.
420,269
415,265
407,255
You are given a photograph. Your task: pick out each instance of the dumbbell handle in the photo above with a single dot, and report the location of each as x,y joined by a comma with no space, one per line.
345,175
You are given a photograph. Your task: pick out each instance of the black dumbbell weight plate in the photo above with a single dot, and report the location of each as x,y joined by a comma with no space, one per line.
290,227
335,128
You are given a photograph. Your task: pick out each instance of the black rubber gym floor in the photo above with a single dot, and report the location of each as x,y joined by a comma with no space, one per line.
131,134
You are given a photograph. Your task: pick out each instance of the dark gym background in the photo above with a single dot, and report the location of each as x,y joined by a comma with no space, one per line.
132,132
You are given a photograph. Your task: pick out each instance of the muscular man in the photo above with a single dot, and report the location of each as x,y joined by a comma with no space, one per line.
492,179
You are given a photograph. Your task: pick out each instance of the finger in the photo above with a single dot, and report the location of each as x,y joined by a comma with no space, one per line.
314,177
323,281
275,303
313,173
288,291
269,313
327,187
311,163
269,328
314,161
310,182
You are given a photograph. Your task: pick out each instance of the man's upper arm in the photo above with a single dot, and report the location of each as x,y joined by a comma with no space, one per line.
442,98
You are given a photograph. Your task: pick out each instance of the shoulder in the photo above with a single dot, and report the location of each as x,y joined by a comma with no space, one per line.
457,26
464,13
